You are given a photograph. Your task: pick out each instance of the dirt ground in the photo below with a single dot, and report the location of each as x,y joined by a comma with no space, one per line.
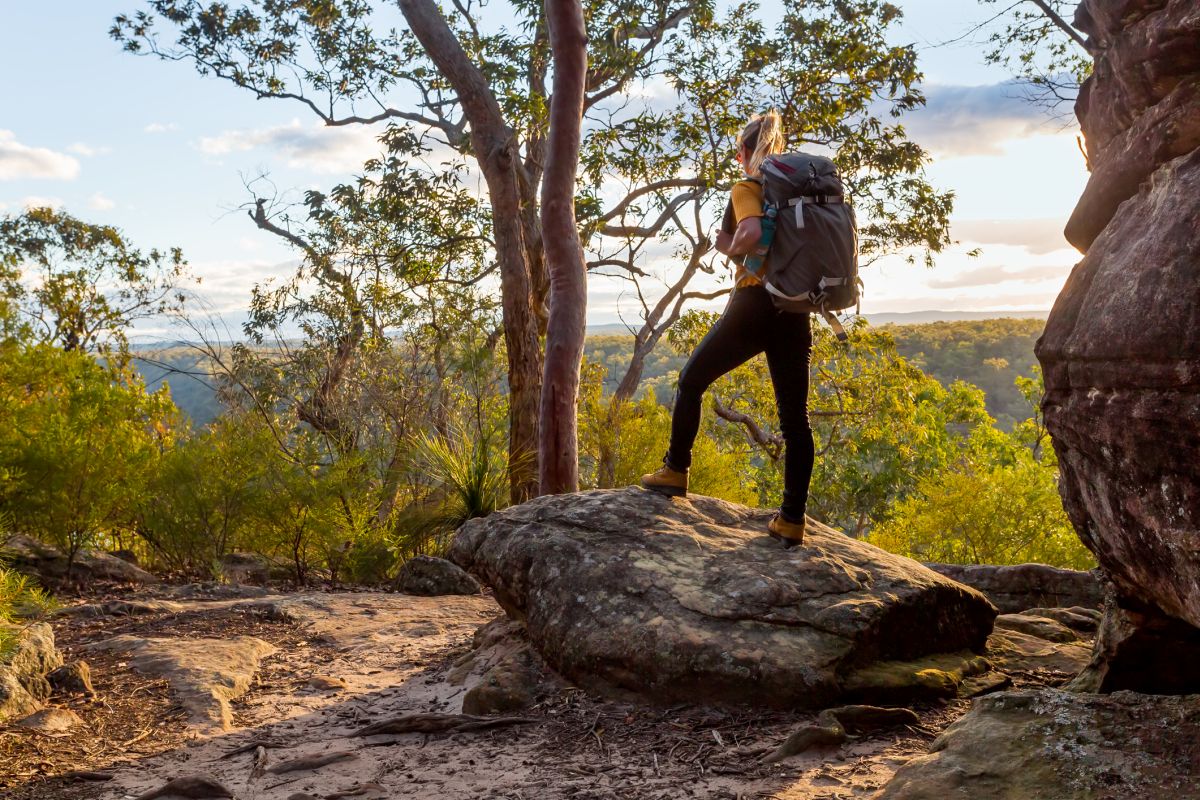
394,653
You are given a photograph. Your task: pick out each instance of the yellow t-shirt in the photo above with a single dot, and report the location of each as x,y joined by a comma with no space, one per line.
747,202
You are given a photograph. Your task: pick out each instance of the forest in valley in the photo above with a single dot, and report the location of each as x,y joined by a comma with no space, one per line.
389,389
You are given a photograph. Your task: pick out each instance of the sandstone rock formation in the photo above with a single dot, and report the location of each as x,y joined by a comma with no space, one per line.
1054,744
690,600
49,565
430,577
1142,650
1013,589
1121,350
23,684
205,674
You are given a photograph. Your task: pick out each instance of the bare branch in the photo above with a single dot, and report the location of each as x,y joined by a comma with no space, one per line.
671,183
650,230
771,443
1063,25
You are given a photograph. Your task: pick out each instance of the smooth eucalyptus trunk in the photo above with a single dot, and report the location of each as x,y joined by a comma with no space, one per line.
494,145
558,443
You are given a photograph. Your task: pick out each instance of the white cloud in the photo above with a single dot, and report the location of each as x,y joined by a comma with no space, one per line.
36,201
316,148
160,127
88,151
991,276
22,161
975,120
1038,236
225,284
100,203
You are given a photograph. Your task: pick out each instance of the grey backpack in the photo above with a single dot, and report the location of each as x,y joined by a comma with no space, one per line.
811,234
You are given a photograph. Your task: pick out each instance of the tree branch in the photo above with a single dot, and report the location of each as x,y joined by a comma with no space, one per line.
646,231
771,443
671,183
1065,26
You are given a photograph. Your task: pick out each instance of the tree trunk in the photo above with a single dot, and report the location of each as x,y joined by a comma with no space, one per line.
558,446
494,145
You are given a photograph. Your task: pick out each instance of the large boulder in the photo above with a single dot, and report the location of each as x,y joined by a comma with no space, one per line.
1020,586
690,600
1121,350
23,684
1054,744
427,576
49,565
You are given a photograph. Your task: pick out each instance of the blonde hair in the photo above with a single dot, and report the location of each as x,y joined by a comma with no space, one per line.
763,135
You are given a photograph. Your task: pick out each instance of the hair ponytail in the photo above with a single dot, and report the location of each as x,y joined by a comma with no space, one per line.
762,136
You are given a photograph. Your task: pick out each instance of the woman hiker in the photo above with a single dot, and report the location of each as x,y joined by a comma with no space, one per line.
750,325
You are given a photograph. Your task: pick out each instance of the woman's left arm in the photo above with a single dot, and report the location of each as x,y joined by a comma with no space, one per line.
744,239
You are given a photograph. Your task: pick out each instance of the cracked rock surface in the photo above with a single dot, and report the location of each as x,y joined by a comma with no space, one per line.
205,674
1121,350
1051,743
690,600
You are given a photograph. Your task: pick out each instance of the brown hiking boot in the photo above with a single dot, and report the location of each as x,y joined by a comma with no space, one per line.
670,482
790,533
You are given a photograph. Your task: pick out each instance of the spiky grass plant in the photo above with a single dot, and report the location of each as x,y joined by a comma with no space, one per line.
470,472
20,601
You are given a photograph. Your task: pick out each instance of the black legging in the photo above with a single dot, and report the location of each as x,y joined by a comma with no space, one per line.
751,325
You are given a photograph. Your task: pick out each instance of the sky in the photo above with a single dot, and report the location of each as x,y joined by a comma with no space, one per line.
165,155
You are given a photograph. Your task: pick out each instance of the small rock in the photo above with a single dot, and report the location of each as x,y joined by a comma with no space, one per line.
806,738
366,791
51,720
128,556
1014,588
125,608
72,678
194,787
217,591
246,568
510,685
1077,618
1041,627
326,683
984,684
429,576
863,719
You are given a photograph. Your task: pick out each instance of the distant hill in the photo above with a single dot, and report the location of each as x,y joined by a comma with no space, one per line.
986,351
185,370
919,317
890,318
